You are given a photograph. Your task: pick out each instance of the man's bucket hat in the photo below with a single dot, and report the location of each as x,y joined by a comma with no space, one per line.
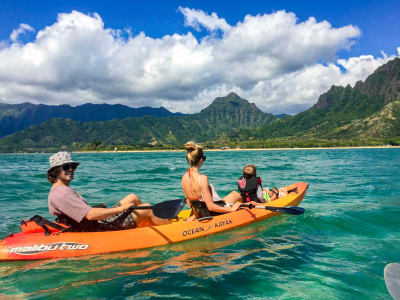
61,158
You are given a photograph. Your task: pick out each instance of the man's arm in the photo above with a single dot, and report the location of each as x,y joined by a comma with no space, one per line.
96,213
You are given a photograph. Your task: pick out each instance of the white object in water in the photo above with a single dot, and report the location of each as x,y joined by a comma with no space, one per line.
392,279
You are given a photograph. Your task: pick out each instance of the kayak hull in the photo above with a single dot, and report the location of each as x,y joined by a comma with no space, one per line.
32,246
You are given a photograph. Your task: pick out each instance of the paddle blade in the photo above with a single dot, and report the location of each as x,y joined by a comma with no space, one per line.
292,210
392,279
168,209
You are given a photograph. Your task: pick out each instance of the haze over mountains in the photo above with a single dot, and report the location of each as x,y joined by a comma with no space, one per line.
370,110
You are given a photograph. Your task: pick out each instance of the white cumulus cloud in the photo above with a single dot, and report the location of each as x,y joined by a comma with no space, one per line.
273,60
197,18
23,28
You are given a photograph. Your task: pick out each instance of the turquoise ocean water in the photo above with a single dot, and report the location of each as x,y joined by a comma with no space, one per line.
336,250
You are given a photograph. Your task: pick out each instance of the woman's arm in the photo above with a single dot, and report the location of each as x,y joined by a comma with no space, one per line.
260,195
208,198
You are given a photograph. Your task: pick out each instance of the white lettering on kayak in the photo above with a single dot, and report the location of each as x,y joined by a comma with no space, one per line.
62,246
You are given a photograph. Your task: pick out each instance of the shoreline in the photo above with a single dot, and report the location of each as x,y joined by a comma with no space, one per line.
247,149
220,150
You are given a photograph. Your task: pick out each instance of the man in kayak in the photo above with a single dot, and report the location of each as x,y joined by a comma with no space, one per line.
72,209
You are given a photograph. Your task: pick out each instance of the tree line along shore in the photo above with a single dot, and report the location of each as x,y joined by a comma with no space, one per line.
291,144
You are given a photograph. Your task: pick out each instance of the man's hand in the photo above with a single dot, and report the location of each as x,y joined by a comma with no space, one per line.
126,206
236,206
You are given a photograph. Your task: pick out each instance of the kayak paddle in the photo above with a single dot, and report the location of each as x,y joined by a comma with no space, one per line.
291,210
164,210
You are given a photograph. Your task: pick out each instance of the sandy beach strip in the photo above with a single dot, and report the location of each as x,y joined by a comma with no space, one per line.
247,149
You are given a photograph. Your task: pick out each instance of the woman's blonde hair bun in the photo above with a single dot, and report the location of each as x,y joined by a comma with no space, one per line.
191,146
194,153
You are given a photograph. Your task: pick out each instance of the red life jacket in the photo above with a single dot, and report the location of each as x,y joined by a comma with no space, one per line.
248,188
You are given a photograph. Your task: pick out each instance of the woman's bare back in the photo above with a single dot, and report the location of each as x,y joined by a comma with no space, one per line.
191,185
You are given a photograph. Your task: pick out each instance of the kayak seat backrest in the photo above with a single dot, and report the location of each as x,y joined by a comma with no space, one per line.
200,210
39,224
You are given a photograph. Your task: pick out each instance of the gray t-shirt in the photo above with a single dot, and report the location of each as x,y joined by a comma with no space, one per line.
64,200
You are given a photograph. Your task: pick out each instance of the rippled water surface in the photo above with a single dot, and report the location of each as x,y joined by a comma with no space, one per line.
336,250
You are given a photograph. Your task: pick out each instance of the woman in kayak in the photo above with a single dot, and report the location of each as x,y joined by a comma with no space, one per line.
199,193
72,209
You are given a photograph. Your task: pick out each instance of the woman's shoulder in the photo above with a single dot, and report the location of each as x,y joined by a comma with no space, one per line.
185,176
203,178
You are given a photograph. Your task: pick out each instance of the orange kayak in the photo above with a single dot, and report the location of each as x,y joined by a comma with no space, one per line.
30,246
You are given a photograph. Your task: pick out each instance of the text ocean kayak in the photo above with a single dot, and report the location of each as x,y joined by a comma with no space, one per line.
30,246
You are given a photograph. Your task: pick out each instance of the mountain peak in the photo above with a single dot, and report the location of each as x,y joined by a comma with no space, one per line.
383,83
233,95
233,111
230,102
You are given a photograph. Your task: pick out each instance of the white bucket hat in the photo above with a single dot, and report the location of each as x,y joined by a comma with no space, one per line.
61,158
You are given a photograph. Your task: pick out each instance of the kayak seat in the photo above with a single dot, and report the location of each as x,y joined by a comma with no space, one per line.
40,224
200,210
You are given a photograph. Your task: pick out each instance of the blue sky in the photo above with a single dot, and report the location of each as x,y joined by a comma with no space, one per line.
357,29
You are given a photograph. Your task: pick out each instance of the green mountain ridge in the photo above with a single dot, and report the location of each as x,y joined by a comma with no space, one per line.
213,123
17,117
384,123
342,108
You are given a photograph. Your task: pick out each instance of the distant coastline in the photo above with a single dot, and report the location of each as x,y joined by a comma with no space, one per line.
247,149
218,150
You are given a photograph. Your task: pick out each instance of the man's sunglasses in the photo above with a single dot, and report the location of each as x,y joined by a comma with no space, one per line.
67,167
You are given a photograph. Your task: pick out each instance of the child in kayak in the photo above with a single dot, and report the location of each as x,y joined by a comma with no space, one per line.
249,186
199,193
274,193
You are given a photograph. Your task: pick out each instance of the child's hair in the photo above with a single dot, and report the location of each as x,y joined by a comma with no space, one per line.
194,153
249,170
